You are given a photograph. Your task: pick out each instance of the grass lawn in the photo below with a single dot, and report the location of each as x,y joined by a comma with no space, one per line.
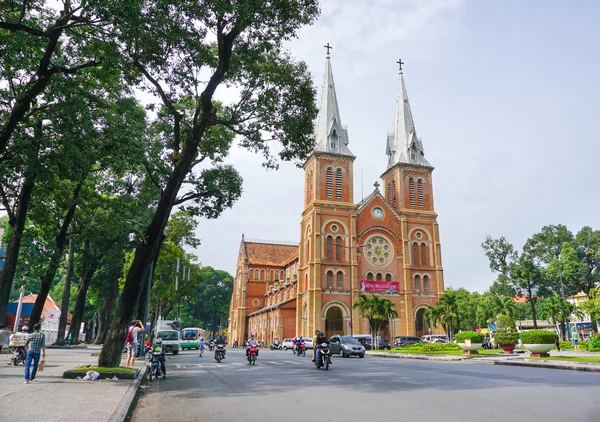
589,359
118,370
442,352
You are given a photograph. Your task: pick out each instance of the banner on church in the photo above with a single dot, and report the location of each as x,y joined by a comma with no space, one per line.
370,286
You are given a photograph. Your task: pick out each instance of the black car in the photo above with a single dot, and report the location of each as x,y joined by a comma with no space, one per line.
383,345
405,340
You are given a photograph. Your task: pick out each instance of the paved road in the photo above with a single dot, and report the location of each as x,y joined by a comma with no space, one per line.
283,387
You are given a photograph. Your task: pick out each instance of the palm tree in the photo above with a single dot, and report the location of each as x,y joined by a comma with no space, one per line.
433,316
504,305
591,306
378,311
556,309
448,304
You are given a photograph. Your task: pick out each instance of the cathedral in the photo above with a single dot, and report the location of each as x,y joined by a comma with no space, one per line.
388,244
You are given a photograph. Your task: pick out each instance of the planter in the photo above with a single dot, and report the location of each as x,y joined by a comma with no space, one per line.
539,350
508,348
472,349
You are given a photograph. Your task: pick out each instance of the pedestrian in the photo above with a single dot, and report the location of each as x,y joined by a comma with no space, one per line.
131,341
575,338
201,346
557,343
36,343
4,333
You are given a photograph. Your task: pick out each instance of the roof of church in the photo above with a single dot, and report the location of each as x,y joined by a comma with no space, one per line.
403,145
376,193
330,135
259,253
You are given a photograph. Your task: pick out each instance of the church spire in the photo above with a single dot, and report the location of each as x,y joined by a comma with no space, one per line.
330,135
403,146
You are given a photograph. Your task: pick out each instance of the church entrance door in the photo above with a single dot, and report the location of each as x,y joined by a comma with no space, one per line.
334,321
420,323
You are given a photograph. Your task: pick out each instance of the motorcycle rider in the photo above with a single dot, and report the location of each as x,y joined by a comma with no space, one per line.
18,340
252,342
315,345
158,349
320,340
219,341
299,343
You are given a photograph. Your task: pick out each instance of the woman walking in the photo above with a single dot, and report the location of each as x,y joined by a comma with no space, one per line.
201,346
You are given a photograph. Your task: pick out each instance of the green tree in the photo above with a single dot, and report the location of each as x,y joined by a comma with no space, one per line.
503,305
556,309
173,47
377,310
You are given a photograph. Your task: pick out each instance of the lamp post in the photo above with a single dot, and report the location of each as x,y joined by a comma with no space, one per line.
351,287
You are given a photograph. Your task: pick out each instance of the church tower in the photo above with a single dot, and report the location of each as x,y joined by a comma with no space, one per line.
328,228
407,187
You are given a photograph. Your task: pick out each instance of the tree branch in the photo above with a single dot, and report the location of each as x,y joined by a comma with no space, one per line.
17,27
151,176
6,204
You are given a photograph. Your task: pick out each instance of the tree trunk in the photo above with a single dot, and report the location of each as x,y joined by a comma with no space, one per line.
64,312
48,277
107,308
17,226
84,284
532,304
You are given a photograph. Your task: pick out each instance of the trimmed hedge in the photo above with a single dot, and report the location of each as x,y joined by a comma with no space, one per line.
430,347
538,337
474,336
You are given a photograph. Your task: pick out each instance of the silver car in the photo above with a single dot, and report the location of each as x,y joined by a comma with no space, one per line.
346,346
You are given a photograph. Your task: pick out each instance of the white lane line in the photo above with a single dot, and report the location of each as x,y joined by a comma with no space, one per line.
274,363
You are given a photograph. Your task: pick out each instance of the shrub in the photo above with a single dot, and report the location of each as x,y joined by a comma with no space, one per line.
538,337
439,347
474,336
567,345
506,331
593,345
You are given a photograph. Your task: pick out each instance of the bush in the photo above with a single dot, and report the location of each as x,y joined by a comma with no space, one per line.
538,337
593,345
439,347
506,331
474,336
566,345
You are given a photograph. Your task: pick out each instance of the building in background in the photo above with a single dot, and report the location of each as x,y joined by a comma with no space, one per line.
388,244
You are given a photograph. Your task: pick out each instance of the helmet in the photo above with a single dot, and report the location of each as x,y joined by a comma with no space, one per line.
252,335
322,333
25,328
202,338
300,337
158,342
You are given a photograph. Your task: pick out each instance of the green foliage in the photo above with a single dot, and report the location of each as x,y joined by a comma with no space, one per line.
567,345
506,331
593,345
431,347
377,310
474,336
538,337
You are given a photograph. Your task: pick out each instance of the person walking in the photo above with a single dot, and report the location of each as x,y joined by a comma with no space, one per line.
36,343
132,341
557,342
201,346
575,338
4,333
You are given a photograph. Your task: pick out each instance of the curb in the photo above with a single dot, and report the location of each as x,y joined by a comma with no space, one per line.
548,365
419,357
124,406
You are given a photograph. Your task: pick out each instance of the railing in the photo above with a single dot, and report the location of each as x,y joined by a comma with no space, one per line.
272,242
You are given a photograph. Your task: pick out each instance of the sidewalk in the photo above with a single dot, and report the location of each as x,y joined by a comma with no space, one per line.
52,398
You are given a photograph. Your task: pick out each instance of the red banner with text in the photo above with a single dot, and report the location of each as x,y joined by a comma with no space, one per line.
370,286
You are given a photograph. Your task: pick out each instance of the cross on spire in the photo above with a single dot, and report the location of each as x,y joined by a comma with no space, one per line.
328,47
376,184
400,63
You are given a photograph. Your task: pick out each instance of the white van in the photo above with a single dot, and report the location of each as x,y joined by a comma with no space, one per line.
435,338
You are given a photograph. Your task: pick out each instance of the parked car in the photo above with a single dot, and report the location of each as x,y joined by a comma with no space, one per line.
435,338
383,345
287,344
346,346
404,340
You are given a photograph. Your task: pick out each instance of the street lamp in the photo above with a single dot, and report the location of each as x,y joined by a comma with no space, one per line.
351,289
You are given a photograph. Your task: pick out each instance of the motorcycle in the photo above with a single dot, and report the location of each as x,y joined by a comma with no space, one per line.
19,356
276,346
220,353
301,349
155,366
324,356
252,355
211,346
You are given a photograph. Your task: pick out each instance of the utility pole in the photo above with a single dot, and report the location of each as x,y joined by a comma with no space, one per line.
143,345
19,307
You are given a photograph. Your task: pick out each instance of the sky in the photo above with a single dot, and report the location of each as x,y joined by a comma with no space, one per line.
504,94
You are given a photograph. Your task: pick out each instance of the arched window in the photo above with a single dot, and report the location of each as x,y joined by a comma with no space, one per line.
309,186
426,284
420,193
394,194
379,276
417,283
415,252
369,276
262,275
340,280
388,277
256,275
307,252
338,248
329,256
330,279
423,254
411,191
389,193
281,275
338,184
329,181
272,275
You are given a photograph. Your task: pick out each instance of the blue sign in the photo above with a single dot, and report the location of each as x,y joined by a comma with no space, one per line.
492,326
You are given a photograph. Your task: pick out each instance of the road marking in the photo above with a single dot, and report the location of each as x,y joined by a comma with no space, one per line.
294,362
